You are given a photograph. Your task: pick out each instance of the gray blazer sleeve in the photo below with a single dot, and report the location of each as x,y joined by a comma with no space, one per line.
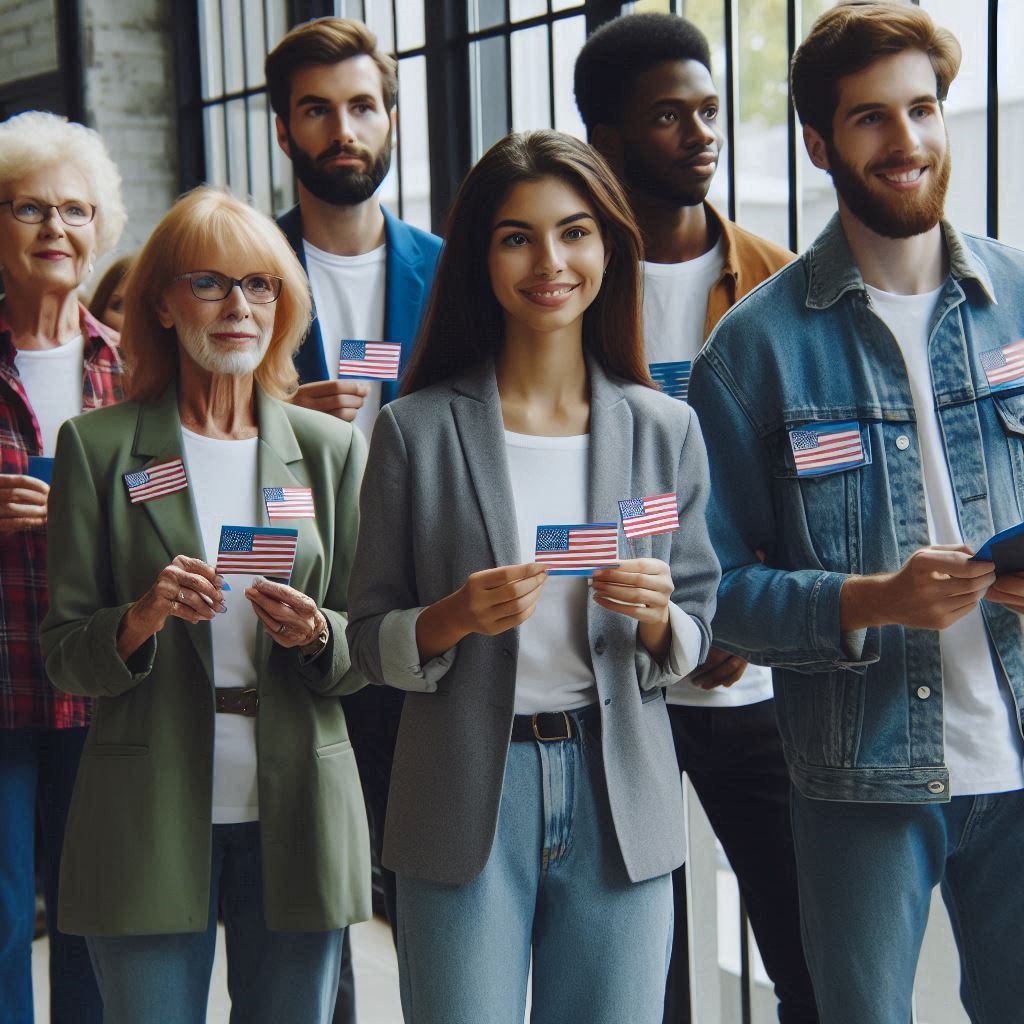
383,602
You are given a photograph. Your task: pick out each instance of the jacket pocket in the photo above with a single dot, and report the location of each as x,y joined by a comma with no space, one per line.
333,749
1010,414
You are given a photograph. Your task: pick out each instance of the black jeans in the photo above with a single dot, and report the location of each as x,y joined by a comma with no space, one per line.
733,757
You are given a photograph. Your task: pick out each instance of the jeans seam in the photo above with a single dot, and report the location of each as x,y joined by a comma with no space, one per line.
967,958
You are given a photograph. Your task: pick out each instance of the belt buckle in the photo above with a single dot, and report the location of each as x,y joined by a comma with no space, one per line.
552,739
253,694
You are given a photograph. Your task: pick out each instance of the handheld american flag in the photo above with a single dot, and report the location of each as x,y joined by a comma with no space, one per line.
672,378
374,360
655,514
257,551
289,502
827,448
577,550
1004,367
156,481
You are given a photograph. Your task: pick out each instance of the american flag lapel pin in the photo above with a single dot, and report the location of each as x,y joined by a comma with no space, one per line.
820,448
156,481
289,503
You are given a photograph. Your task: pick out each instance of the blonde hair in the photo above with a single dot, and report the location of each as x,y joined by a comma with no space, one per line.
210,218
37,139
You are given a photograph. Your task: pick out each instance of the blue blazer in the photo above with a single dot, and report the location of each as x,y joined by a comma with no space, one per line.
411,260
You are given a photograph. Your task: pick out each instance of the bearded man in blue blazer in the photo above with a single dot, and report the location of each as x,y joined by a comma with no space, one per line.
334,95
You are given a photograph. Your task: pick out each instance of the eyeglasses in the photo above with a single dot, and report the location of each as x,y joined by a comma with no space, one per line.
210,286
74,212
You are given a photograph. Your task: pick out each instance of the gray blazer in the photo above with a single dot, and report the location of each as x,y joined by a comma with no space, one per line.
437,505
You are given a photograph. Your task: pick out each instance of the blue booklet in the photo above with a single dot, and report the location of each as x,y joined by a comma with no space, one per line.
1005,549
41,468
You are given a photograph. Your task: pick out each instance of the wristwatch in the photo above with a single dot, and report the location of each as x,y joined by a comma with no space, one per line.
318,644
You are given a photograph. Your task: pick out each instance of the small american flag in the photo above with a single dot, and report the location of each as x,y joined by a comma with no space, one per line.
376,360
577,550
1004,367
156,481
826,448
655,514
257,551
289,502
672,378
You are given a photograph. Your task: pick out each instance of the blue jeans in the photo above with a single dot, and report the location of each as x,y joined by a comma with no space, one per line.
37,771
554,884
866,875
272,976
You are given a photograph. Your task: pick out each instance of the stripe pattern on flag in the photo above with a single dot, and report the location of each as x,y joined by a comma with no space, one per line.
257,551
289,502
1004,367
827,448
672,378
656,513
156,481
577,550
373,360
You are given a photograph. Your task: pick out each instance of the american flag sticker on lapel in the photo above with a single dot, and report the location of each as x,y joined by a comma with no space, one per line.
657,513
1004,367
820,448
672,378
289,502
370,360
577,550
156,481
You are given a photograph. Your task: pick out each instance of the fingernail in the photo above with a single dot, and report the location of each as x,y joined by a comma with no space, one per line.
221,582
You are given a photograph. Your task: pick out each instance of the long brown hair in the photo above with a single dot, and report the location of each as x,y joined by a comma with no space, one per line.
463,326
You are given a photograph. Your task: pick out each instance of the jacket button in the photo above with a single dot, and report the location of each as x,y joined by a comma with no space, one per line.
903,442
924,692
936,787
507,652
599,645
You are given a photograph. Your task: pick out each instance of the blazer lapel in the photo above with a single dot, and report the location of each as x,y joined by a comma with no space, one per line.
309,360
477,412
403,295
158,439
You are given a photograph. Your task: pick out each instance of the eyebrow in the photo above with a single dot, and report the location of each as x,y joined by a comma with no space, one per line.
529,227
311,99
864,108
675,101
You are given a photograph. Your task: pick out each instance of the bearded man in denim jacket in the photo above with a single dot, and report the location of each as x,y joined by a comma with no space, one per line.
864,414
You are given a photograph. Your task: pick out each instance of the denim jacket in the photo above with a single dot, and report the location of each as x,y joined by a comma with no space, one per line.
860,713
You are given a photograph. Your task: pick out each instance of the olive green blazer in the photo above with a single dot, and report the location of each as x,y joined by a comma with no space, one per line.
138,844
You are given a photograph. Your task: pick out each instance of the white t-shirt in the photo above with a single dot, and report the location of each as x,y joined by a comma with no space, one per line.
223,483
348,292
549,485
675,308
984,752
52,379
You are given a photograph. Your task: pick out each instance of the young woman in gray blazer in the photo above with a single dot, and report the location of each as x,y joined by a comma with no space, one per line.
535,805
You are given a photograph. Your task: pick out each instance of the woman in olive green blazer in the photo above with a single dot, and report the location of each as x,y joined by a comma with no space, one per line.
132,623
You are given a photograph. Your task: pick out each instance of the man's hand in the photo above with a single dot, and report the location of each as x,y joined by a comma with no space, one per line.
935,587
1008,589
720,669
341,398
22,503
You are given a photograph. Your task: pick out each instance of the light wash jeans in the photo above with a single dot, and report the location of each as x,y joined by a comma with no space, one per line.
554,885
273,977
866,874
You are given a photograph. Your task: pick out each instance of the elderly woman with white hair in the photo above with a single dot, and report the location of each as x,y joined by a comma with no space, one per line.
60,208
218,771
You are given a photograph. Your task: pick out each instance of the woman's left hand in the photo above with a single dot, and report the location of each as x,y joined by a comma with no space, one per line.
291,618
645,586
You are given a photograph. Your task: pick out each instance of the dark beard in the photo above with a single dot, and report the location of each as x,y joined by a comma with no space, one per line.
895,216
343,186
644,178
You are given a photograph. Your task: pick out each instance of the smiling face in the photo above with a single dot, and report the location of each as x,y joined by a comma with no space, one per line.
667,144
546,256
230,336
889,153
338,134
51,256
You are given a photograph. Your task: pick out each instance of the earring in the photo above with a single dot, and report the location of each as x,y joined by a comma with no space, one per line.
92,266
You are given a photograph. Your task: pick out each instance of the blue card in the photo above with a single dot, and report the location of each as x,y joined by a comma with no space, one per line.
1005,549
41,468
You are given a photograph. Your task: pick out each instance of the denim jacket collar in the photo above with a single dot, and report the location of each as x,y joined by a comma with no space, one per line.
832,270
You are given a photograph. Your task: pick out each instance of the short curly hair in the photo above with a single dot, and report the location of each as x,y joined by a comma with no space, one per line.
851,37
613,57
37,139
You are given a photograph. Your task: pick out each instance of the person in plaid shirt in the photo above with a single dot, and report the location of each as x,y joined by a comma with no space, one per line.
60,207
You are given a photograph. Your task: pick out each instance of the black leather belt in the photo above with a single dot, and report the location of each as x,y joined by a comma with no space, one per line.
553,726
232,701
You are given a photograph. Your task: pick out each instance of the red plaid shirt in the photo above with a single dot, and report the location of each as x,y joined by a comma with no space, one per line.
27,700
